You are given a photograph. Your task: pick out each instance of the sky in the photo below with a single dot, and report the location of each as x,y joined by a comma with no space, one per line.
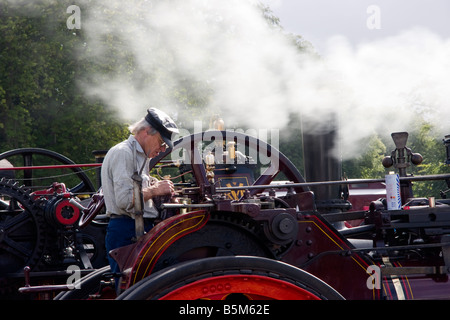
359,21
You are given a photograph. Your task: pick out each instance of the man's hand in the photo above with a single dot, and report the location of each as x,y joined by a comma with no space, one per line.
160,188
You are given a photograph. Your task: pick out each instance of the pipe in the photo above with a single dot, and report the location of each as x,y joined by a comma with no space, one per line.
338,182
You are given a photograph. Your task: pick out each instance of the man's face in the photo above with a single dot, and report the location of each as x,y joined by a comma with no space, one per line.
154,144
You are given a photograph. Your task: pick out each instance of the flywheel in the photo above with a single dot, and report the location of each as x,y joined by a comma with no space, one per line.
22,239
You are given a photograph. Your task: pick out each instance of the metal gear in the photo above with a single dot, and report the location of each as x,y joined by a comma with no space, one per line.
22,232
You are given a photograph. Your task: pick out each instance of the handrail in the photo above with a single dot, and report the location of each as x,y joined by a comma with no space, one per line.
59,166
338,182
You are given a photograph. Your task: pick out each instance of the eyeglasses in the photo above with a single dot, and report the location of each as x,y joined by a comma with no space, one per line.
162,144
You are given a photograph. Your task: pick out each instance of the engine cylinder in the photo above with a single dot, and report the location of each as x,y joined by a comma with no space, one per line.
60,212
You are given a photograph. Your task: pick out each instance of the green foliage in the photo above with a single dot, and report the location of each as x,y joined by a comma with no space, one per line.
422,139
40,102
425,142
367,165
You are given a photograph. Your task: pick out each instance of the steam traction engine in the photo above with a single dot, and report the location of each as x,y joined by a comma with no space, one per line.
232,233
39,228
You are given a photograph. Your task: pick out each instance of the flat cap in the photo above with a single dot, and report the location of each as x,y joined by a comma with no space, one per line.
162,123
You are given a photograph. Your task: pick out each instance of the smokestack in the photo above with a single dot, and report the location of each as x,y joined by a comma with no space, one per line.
321,164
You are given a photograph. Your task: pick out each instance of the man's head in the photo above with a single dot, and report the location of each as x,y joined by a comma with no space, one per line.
162,123
154,132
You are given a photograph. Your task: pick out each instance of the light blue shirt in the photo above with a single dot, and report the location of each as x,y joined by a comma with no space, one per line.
117,168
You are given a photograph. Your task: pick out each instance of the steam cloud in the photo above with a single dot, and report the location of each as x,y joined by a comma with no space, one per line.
258,78
390,82
254,74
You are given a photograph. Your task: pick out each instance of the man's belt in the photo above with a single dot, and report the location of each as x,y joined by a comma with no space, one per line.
118,216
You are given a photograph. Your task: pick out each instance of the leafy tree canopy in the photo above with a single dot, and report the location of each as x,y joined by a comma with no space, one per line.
40,103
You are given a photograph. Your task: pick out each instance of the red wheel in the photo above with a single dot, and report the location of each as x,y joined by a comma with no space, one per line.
251,287
231,277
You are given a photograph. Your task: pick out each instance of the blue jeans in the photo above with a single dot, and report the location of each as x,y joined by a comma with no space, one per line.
120,232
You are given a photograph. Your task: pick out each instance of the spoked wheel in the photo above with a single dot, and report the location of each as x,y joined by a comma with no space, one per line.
27,157
194,148
35,225
229,278
21,228
22,232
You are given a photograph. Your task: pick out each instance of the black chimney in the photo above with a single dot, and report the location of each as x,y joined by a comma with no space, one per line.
321,164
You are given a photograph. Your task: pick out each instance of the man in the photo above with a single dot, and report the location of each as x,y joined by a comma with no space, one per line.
126,164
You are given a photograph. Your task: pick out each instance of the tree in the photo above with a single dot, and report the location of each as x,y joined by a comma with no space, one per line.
367,165
40,102
424,141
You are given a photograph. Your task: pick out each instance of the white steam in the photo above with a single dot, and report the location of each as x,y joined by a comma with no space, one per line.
255,76
392,82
